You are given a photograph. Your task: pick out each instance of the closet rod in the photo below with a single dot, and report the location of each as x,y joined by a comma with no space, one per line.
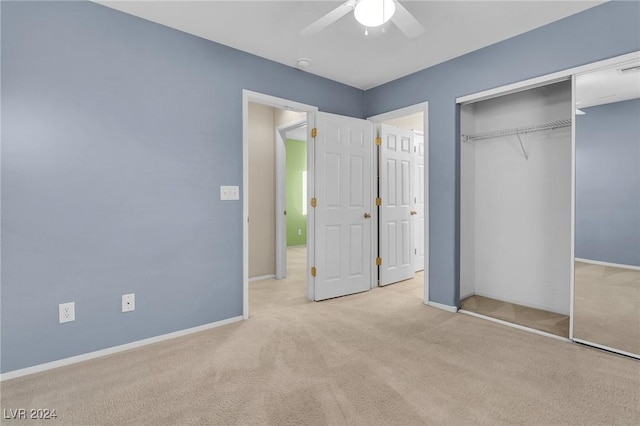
518,130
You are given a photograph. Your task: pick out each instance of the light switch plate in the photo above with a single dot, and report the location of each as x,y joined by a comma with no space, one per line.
229,193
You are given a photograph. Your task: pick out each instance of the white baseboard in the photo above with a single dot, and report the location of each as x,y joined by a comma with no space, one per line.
115,349
523,303
263,277
615,265
447,308
512,325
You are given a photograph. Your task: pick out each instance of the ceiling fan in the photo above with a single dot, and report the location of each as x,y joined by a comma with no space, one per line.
370,13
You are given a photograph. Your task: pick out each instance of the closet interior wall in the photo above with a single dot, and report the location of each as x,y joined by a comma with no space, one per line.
515,219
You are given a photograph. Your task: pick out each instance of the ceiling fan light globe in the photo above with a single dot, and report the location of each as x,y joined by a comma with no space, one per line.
373,13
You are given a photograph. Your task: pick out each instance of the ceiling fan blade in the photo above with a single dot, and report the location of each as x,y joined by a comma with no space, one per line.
406,22
328,19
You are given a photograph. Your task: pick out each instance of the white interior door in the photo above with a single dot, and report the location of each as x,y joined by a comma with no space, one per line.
344,199
395,189
418,199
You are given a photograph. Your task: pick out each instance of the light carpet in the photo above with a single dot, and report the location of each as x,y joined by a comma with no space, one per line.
607,306
376,358
538,319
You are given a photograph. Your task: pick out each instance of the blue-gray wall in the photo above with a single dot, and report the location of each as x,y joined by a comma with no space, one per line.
116,135
598,33
608,183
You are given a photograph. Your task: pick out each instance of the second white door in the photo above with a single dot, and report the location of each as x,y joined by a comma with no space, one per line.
396,233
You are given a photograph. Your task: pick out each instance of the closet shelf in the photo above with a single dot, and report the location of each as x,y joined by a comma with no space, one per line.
518,130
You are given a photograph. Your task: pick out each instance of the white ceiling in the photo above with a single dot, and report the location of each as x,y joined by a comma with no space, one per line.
342,52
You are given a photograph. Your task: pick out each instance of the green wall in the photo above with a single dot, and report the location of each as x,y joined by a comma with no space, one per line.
296,164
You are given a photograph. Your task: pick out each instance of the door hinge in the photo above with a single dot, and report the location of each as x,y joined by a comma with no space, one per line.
378,141
314,132
378,201
378,261
313,271
314,202
415,251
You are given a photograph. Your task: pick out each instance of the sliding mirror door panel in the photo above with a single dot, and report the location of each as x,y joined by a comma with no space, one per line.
607,209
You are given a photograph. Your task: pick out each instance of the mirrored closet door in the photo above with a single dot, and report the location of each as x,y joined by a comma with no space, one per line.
607,209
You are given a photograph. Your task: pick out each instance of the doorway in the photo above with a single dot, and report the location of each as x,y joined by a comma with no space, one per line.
263,211
291,190
342,212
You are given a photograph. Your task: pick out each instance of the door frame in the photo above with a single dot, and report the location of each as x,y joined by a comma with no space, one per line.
273,101
281,195
390,115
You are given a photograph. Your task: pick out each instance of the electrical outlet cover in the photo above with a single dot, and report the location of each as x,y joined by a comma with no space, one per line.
229,193
67,312
128,302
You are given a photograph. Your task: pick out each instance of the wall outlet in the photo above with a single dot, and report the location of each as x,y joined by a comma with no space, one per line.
67,312
229,193
299,231
128,302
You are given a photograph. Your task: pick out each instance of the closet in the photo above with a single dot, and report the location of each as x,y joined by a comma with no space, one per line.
515,208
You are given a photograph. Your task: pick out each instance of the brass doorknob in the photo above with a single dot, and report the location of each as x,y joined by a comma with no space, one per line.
367,215
413,212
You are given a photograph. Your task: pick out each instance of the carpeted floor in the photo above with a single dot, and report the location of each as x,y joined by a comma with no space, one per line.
375,358
537,319
607,306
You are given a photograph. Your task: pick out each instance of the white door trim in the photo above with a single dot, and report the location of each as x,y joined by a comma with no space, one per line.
572,271
398,113
281,196
250,96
